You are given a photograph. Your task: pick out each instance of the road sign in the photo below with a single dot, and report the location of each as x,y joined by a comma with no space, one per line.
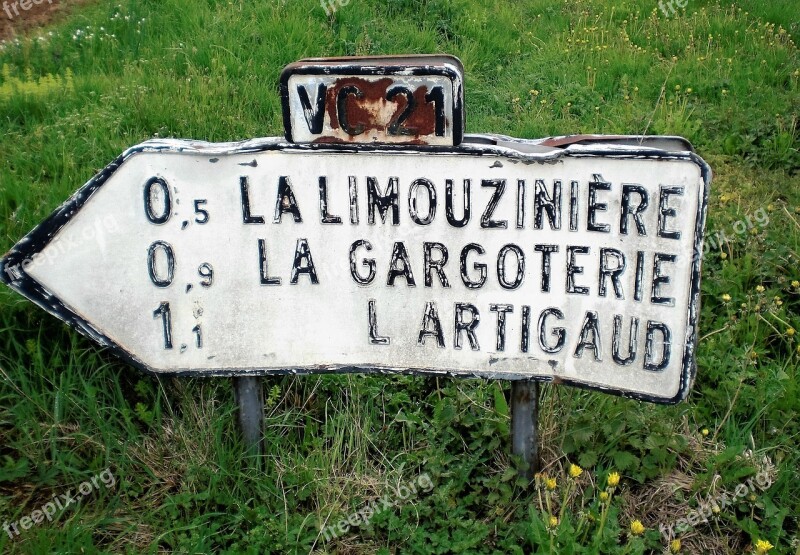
390,99
498,258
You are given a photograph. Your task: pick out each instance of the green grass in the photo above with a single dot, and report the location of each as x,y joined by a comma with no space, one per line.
725,79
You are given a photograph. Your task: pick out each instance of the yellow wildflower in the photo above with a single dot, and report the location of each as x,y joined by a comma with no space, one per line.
796,284
760,288
553,521
550,483
575,471
726,298
704,431
675,546
762,546
613,479
604,496
790,332
723,255
637,528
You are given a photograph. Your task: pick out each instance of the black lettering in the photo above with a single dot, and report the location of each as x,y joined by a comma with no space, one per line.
157,280
666,336
448,204
499,186
396,126
286,203
573,205
520,204
323,203
501,266
616,344
368,262
660,279
606,271
559,333
481,268
374,337
664,211
315,116
353,190
412,201
431,318
383,201
164,193
437,97
166,322
638,289
543,202
590,326
635,212
247,217
573,269
501,310
303,263
546,251
435,265
467,326
594,206
262,265
526,329
399,254
341,109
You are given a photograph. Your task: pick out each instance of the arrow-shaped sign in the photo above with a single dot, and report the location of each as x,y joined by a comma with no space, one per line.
497,258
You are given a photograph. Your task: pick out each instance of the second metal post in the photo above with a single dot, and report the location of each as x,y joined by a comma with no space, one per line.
524,425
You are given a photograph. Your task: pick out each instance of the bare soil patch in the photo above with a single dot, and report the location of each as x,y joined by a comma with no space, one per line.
15,20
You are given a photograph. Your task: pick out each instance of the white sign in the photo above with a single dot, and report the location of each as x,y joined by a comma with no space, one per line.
578,265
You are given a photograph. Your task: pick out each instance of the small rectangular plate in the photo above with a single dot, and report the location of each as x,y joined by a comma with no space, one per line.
404,100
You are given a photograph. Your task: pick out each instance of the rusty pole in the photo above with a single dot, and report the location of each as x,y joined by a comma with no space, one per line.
249,398
524,425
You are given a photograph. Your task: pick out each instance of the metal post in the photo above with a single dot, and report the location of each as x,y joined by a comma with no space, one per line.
250,399
524,425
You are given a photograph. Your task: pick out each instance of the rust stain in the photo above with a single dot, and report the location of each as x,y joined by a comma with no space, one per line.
373,113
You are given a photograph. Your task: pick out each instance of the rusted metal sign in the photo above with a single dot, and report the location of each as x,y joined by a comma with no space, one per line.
410,100
497,258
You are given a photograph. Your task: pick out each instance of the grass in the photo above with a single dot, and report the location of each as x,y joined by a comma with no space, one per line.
75,95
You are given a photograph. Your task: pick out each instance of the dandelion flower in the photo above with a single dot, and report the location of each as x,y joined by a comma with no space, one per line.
637,528
613,479
553,521
550,483
762,546
760,288
704,432
604,496
796,284
726,298
675,546
575,471
790,331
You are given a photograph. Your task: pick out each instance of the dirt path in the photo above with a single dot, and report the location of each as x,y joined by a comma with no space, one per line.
18,17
